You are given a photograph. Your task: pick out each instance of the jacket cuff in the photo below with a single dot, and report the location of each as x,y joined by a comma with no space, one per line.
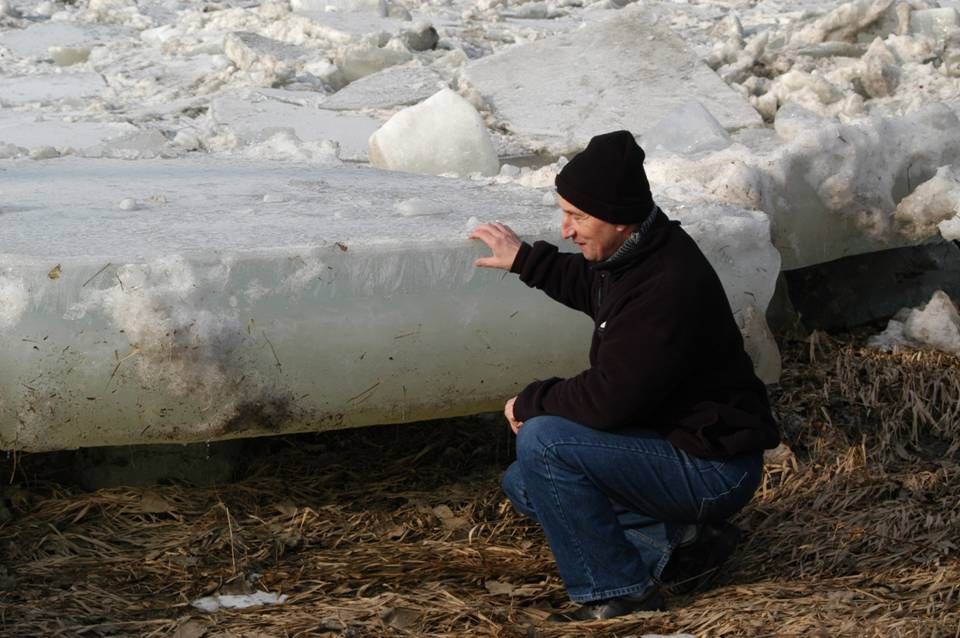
521,258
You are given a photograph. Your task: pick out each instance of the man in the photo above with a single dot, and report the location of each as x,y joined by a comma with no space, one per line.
661,439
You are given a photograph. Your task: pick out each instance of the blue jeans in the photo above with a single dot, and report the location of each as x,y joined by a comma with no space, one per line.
614,505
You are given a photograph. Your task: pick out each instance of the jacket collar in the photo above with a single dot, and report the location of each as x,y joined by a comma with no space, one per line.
640,242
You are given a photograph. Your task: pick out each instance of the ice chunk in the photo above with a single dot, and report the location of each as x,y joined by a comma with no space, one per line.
760,344
271,61
936,24
284,145
418,207
363,58
935,325
950,228
43,88
932,202
256,116
626,72
238,601
443,134
140,144
395,86
794,120
68,56
16,297
832,190
688,129
737,243
842,23
216,315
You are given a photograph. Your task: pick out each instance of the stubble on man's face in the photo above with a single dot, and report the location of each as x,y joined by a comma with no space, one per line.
596,238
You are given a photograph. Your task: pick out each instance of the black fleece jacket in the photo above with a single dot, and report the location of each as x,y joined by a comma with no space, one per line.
666,351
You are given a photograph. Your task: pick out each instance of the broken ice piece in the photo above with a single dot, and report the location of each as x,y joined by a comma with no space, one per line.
238,601
688,129
418,206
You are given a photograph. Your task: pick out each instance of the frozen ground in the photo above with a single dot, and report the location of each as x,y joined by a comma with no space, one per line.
177,179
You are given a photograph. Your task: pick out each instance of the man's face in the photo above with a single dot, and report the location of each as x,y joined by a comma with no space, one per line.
596,238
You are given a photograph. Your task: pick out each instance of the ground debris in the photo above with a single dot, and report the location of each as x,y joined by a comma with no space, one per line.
402,530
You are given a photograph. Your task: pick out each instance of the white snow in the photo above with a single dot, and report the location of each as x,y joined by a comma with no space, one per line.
443,134
935,325
238,601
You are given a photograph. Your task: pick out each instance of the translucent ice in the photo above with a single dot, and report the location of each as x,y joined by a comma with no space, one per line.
209,313
688,129
443,134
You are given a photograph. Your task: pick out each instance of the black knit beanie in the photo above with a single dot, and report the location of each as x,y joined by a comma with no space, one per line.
607,180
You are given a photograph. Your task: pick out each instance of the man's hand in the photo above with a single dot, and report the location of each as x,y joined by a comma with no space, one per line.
500,239
508,412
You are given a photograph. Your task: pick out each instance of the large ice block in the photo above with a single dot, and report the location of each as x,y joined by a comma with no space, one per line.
159,301
626,72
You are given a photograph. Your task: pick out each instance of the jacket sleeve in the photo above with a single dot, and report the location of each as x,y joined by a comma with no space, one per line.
643,355
565,277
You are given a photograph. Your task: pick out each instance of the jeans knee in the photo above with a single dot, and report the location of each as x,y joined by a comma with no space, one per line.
533,437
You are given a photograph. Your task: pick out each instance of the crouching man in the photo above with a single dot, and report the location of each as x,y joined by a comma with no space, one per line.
633,466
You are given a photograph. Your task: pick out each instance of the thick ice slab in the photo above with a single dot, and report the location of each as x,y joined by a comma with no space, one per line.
627,72
203,299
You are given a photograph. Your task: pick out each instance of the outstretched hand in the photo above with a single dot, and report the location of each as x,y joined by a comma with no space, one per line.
501,240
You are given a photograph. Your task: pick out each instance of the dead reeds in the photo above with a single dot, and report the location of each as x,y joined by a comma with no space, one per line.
402,530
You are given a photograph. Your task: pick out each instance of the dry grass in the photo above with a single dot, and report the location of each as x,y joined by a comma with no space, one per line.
400,531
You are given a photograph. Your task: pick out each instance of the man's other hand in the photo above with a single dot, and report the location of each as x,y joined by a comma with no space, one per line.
508,412
501,240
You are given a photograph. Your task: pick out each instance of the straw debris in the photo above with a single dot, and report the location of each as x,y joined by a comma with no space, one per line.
403,531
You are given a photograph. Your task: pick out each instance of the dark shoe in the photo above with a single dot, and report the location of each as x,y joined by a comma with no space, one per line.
650,600
694,567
